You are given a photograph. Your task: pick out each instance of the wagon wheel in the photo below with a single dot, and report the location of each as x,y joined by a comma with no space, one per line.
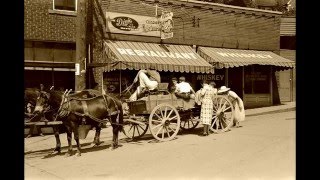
223,114
190,123
134,130
164,122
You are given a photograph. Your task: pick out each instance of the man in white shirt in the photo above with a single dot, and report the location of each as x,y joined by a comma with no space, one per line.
184,90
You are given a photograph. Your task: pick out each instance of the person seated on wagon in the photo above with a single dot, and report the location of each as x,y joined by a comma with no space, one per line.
149,79
184,90
173,86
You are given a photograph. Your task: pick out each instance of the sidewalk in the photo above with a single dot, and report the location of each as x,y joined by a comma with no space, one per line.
287,106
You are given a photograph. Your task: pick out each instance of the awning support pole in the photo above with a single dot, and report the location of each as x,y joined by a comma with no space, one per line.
226,80
271,87
243,84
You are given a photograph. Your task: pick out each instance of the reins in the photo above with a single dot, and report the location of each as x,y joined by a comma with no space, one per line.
64,111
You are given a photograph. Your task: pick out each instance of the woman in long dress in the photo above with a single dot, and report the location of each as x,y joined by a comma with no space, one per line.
207,92
239,113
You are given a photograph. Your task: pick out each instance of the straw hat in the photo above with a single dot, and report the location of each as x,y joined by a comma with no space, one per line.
182,78
223,89
152,67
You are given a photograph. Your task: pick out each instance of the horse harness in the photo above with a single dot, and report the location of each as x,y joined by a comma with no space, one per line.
64,111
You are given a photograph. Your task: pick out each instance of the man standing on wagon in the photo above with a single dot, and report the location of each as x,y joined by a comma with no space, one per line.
148,79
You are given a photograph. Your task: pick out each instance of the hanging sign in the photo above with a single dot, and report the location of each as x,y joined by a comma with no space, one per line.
166,25
77,66
132,24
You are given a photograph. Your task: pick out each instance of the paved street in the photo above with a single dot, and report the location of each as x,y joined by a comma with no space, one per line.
264,148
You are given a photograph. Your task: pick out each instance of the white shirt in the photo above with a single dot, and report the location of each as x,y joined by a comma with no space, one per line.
183,87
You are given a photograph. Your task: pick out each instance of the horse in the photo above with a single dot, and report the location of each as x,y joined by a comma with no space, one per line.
74,111
30,97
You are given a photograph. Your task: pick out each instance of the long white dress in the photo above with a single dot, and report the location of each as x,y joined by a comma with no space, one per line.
239,114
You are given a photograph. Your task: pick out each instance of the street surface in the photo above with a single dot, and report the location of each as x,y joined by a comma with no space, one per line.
264,148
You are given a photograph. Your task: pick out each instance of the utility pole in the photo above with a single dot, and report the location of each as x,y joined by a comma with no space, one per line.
81,28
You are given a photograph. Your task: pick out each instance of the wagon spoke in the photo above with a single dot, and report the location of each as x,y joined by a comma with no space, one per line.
165,112
170,113
224,105
174,117
156,126
157,116
159,130
133,131
130,127
138,130
140,126
214,121
171,128
157,121
167,132
227,108
162,133
161,112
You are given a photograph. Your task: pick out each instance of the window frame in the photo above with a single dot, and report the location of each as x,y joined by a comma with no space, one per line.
63,10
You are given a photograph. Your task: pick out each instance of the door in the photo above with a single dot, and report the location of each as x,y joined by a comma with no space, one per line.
285,85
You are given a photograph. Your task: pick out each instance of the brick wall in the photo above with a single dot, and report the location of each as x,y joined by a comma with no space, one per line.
42,25
219,25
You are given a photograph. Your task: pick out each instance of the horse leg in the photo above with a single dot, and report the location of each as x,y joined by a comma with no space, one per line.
96,140
69,138
76,137
58,143
115,136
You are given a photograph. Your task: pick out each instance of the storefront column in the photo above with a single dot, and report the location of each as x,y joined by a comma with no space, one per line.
227,77
243,83
120,79
271,91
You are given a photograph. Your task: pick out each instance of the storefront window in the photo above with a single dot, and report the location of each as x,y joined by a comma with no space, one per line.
256,79
69,5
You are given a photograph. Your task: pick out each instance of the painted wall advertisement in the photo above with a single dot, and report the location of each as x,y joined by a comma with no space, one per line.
140,25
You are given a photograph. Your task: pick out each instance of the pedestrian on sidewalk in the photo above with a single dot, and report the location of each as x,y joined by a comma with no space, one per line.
207,94
239,113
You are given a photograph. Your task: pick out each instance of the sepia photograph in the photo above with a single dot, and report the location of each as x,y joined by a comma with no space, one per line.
159,89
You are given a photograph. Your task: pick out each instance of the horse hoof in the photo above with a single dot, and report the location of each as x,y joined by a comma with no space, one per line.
78,154
55,152
67,155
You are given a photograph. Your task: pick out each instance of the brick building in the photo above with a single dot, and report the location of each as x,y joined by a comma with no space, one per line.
49,34
247,40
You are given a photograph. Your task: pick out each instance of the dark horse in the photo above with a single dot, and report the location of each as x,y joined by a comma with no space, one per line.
74,110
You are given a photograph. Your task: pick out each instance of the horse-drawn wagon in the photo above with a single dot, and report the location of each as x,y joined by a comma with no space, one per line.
164,114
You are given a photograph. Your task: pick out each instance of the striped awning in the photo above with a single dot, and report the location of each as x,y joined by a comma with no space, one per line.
140,55
228,58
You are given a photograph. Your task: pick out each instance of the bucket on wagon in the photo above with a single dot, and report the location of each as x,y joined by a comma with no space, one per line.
83,131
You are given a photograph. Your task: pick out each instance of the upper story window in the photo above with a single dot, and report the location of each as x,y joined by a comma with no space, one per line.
66,5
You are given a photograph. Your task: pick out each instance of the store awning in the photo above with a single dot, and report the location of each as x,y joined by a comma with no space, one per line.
140,55
228,58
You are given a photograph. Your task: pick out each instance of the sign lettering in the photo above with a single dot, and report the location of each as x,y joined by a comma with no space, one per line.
211,77
244,55
140,52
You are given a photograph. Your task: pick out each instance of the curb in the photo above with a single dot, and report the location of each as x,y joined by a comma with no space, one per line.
272,111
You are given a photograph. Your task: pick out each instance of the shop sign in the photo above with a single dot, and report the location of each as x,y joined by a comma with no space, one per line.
241,55
133,24
160,54
113,84
166,25
256,76
77,67
211,77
